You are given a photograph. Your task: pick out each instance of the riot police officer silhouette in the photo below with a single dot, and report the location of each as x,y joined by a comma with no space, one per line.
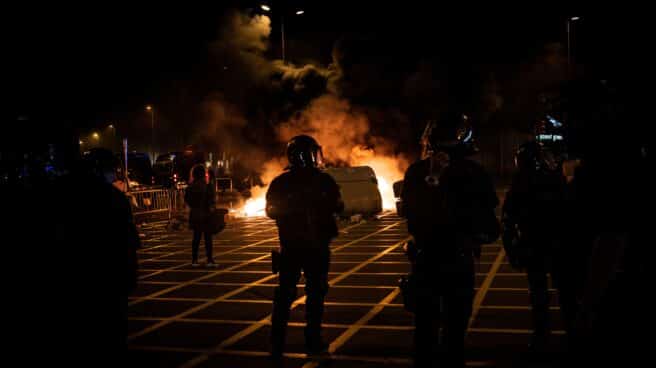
533,218
449,203
303,201
611,216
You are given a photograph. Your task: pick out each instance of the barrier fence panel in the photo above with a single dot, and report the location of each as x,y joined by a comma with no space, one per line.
177,200
160,201
223,184
150,201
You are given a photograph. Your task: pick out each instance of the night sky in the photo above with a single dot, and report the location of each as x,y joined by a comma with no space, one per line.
89,65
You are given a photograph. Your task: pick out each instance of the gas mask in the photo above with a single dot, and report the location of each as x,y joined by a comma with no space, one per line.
438,162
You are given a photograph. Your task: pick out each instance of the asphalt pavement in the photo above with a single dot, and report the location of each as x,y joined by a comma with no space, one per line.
181,316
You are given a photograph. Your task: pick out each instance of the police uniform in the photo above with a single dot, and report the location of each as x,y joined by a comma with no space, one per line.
534,227
303,202
445,219
611,207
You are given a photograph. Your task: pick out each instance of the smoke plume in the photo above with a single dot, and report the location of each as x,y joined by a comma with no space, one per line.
270,101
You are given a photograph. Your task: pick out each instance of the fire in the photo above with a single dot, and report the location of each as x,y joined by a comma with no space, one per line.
388,169
343,131
387,193
254,207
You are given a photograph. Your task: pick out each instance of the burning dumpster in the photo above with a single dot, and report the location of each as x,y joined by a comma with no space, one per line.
359,188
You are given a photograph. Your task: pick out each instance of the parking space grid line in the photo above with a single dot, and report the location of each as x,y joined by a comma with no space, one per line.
192,281
355,327
217,255
268,301
240,335
224,296
482,291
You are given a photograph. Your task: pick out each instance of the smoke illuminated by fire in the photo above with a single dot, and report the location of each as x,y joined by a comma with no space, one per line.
387,171
256,204
343,135
342,129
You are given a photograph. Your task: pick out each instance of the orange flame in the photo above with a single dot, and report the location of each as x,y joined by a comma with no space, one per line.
255,206
388,170
343,132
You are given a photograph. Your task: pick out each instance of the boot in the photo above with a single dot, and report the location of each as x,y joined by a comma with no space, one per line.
277,342
539,342
314,344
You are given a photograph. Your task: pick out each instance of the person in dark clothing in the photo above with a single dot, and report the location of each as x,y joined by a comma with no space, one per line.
449,204
610,205
533,234
303,201
102,164
200,197
87,253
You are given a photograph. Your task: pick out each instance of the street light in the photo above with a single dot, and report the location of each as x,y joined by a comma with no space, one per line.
150,109
267,9
569,21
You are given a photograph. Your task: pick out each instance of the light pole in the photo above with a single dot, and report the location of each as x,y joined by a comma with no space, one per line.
94,140
150,109
112,135
267,9
569,21
282,34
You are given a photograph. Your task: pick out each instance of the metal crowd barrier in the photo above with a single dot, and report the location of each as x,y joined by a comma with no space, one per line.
150,201
169,201
223,184
177,200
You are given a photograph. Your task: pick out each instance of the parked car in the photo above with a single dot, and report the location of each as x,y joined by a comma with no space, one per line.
140,169
172,168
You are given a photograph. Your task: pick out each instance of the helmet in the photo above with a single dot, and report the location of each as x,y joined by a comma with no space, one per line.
453,135
303,152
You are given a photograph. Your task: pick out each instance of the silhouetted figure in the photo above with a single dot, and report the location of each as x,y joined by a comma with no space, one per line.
449,203
88,265
611,203
534,227
303,201
200,197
